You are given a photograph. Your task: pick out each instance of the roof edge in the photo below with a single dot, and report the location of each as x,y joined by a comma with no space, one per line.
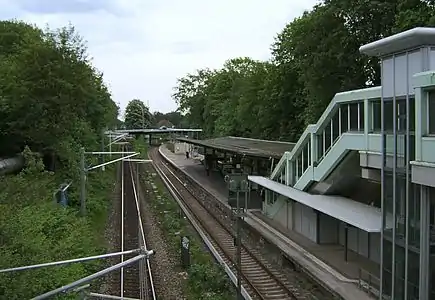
402,41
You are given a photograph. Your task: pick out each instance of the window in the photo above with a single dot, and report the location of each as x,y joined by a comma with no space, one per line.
431,112
376,116
388,115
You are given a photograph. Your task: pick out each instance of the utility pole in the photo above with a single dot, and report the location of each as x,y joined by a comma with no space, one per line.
237,184
82,182
239,250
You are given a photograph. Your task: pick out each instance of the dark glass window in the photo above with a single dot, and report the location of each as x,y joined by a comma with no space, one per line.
431,112
376,109
388,115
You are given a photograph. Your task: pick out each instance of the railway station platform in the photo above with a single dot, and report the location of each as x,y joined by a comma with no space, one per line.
324,263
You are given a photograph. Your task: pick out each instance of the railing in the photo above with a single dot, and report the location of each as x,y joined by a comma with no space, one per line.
368,282
348,112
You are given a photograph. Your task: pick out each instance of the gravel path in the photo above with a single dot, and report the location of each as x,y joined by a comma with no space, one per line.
168,279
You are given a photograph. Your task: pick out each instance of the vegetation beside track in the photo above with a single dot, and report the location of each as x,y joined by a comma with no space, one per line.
34,229
53,101
205,278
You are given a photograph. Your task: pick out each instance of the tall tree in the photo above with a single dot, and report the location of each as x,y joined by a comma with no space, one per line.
53,99
137,115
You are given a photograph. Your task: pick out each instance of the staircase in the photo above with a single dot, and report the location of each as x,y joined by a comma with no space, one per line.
344,126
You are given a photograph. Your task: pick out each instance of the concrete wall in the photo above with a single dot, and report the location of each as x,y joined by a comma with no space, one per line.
364,243
328,229
285,215
305,221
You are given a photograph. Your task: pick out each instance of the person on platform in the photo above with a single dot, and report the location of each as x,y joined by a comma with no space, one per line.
187,154
207,169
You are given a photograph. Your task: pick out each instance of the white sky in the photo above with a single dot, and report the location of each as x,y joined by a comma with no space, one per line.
143,46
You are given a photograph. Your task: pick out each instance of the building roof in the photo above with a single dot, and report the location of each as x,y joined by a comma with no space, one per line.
246,146
360,215
419,36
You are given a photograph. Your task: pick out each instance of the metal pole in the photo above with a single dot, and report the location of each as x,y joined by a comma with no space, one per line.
63,262
137,181
121,282
82,183
102,149
104,152
110,146
143,119
89,278
112,161
346,230
239,251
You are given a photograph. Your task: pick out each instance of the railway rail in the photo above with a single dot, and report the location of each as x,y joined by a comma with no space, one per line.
259,279
135,281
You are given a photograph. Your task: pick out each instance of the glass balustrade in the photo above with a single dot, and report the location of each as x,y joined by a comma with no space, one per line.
346,117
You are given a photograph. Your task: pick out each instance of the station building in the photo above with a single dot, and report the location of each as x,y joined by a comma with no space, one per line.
357,190
363,176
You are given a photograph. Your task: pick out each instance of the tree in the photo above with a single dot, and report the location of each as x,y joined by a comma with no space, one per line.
52,99
314,57
174,118
137,115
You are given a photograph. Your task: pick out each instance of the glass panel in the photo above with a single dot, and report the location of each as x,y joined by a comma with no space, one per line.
414,217
411,114
307,156
401,115
388,202
431,112
361,116
388,115
400,209
294,175
387,267
353,116
335,132
413,274
376,116
327,137
320,146
399,272
344,123
299,168
432,245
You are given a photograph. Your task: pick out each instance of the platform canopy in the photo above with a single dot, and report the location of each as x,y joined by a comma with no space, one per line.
244,146
362,216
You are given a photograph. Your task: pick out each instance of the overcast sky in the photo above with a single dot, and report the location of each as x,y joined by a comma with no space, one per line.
143,46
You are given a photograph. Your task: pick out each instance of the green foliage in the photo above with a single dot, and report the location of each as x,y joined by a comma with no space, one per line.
141,146
53,101
173,118
52,97
314,57
33,229
137,115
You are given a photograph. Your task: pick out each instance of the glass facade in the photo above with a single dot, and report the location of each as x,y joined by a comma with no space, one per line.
432,244
401,198
406,208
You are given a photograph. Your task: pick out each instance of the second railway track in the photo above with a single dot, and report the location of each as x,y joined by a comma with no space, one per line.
260,280
136,281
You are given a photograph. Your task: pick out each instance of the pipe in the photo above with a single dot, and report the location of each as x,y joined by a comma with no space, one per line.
10,165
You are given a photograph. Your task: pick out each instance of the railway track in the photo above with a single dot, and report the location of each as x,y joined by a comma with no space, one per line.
260,280
136,280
